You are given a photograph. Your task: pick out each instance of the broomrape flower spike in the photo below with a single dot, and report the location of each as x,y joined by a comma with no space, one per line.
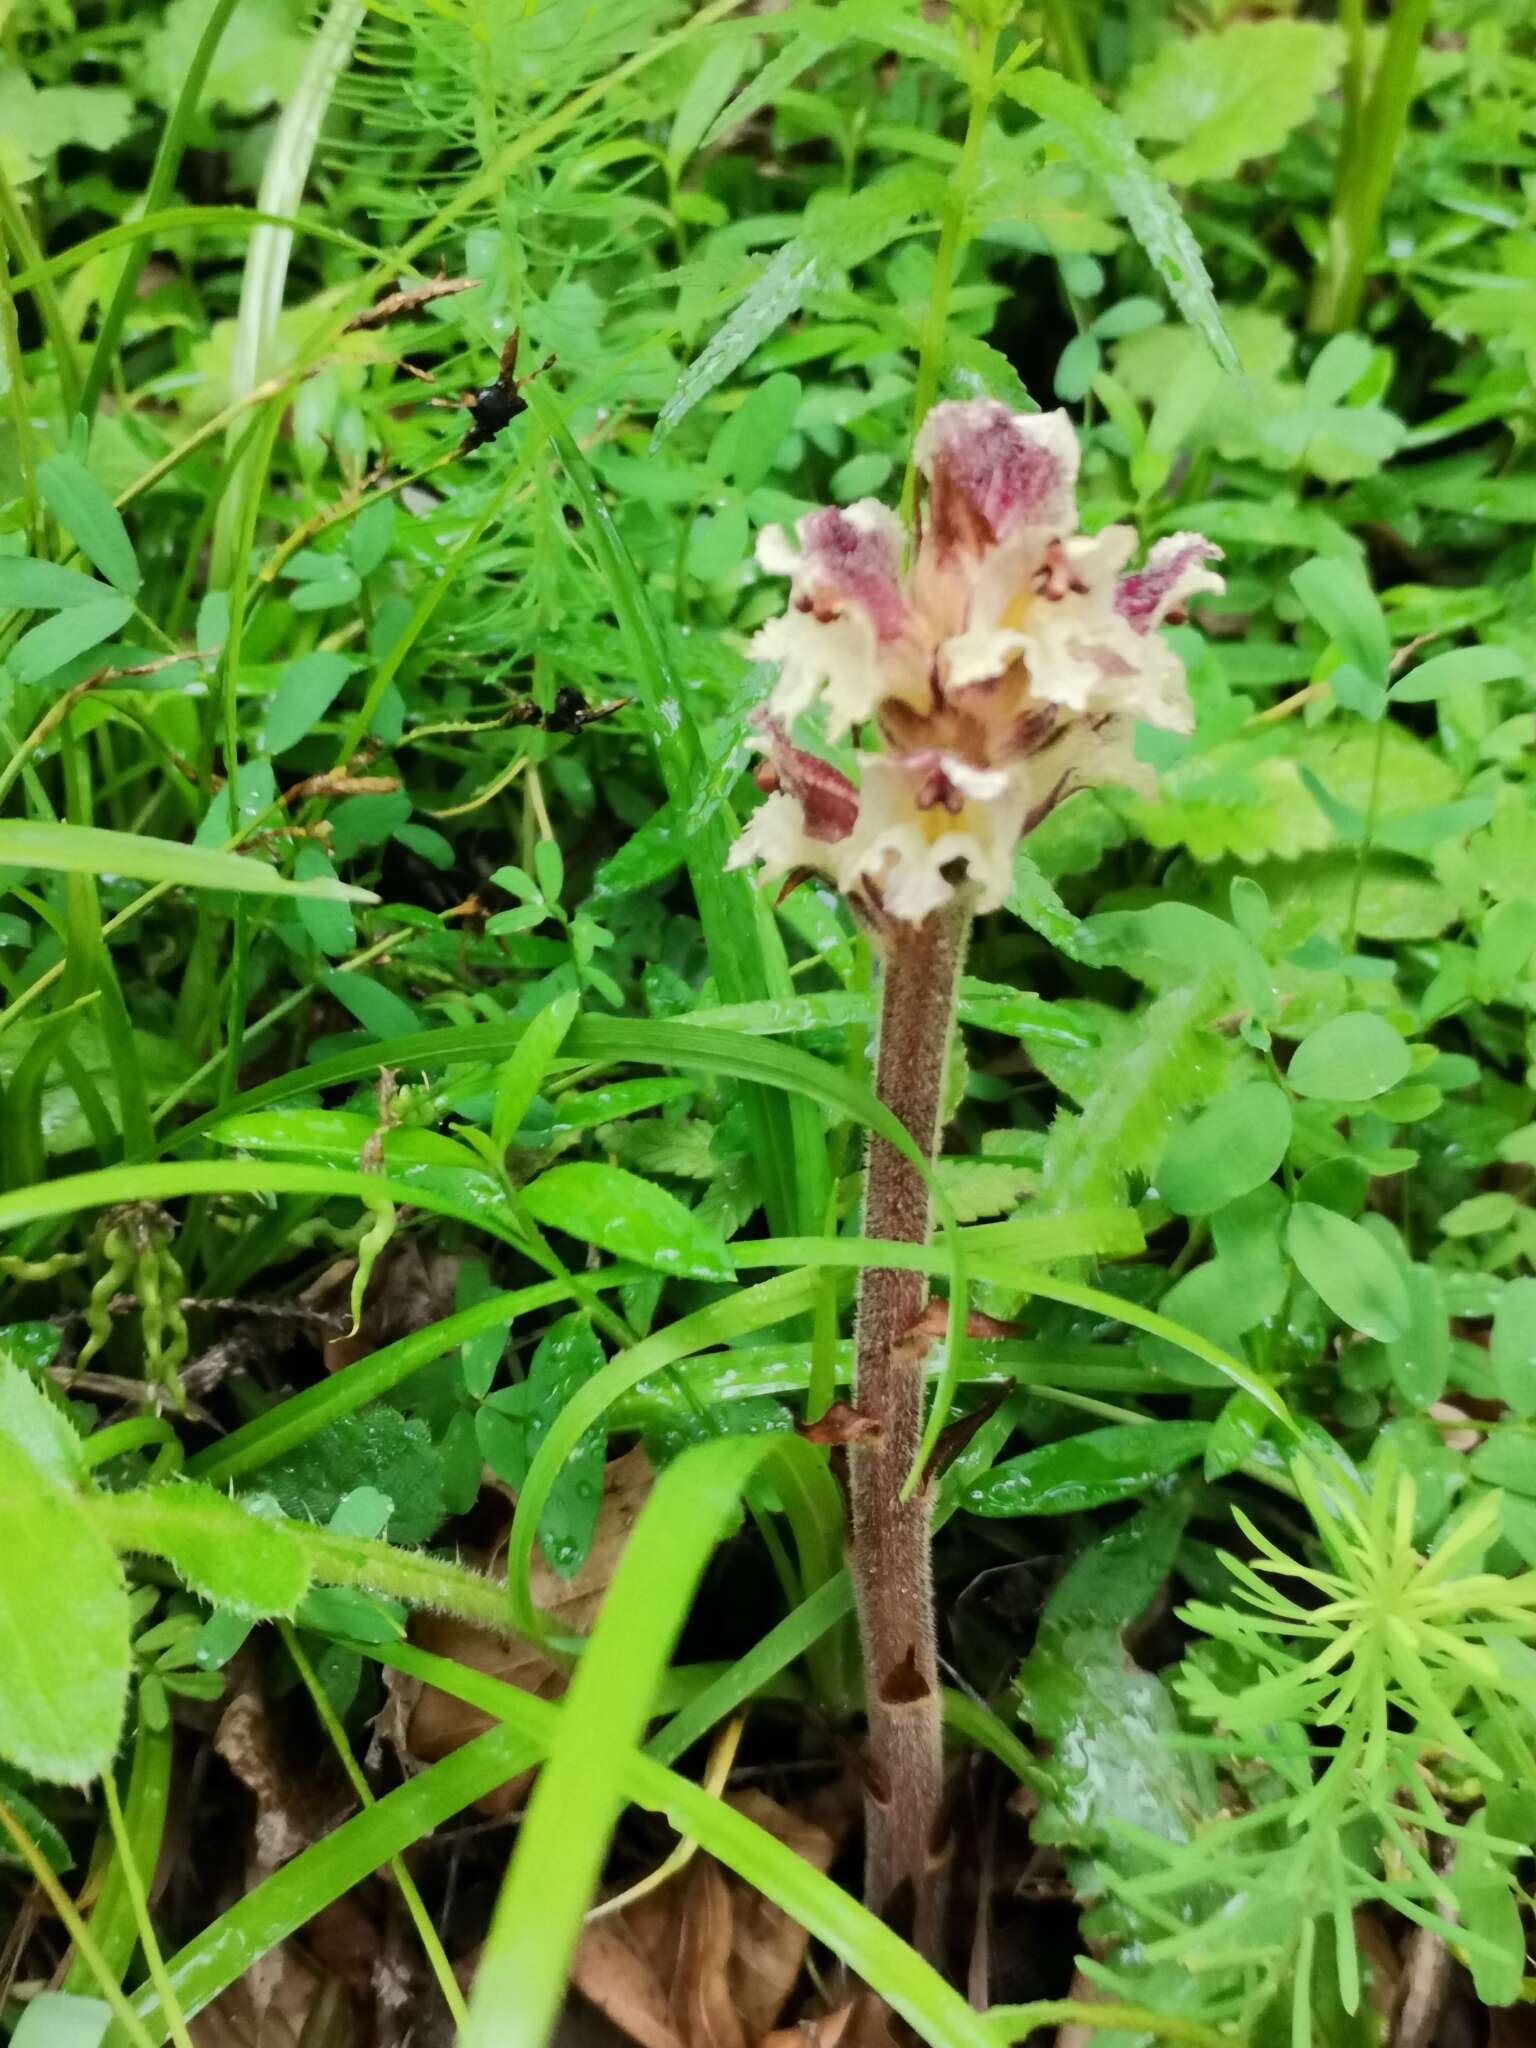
1006,667
1001,660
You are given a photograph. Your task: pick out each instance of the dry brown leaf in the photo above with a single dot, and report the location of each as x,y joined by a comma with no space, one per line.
439,1723
624,1985
293,1809
275,2015
701,1991
705,1961
769,1946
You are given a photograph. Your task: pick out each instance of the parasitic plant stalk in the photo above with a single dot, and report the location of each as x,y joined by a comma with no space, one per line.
1002,659
892,1551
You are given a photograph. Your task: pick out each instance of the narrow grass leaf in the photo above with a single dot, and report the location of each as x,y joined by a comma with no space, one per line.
91,850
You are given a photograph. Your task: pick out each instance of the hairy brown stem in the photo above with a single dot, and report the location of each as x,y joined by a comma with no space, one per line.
892,1563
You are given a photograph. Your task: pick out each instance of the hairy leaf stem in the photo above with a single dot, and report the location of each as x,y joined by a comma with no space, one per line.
892,1537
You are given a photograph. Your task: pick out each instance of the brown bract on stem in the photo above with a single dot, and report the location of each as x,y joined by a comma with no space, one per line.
892,1561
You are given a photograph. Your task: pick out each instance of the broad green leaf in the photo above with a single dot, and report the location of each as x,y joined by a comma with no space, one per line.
91,520
1230,1149
90,850
1105,1725
1344,605
1507,1459
711,86
61,2019
1420,1360
235,1559
341,1134
63,1629
606,1206
1349,1059
376,1448
1352,1272
1487,1896
377,1008
567,1357
327,919
66,635
1230,96
1101,142
1444,672
745,446
27,582
1235,1435
1087,1471
306,690
1512,1352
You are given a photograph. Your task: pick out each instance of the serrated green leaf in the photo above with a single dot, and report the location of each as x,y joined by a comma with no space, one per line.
1230,96
376,1447
606,1206
37,1427
1103,144
64,1622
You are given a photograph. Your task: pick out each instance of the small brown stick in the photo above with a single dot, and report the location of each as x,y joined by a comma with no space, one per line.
393,304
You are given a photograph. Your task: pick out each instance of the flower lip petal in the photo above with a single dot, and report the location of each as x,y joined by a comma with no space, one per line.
1174,571
848,559
991,472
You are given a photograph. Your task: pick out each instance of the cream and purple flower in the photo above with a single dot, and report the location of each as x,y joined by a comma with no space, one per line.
1007,666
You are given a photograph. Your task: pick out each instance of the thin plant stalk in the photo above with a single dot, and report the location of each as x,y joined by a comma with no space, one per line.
952,239
892,1537
162,178
1373,129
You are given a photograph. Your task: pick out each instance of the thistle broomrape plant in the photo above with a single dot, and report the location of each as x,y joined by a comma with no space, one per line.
1004,665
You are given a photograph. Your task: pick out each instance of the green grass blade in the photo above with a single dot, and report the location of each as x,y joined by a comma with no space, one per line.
319,1875
81,1191
788,1639
91,850
113,1923
172,220
937,2012
580,1792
